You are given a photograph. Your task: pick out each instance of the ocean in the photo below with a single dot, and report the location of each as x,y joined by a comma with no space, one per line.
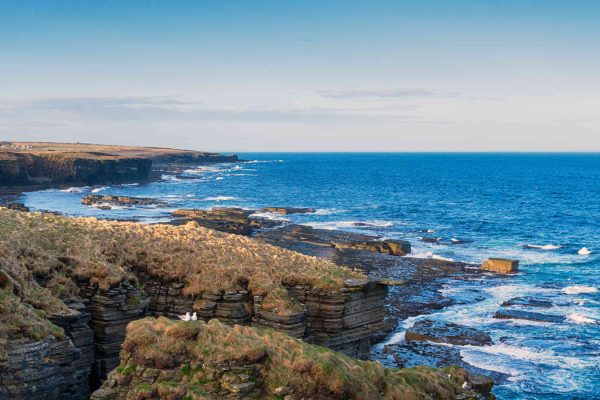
538,208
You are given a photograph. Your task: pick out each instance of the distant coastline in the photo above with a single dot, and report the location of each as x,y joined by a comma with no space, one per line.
38,165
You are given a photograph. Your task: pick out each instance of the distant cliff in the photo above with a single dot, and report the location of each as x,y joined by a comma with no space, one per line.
46,164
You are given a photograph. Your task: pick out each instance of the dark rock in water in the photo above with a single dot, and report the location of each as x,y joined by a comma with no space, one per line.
413,353
443,332
288,210
293,235
527,302
527,315
429,239
92,199
227,219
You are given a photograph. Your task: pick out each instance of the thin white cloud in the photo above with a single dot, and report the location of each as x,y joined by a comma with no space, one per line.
351,94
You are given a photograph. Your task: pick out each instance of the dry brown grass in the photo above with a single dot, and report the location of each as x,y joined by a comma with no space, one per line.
96,151
46,255
201,350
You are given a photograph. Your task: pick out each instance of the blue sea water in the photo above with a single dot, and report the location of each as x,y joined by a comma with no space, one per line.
499,203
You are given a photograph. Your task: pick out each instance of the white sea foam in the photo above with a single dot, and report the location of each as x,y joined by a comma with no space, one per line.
327,211
219,178
580,319
268,215
584,251
546,247
547,357
429,254
579,289
333,225
99,189
262,161
220,198
74,189
172,178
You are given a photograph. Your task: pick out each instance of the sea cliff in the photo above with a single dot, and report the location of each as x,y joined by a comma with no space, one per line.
53,164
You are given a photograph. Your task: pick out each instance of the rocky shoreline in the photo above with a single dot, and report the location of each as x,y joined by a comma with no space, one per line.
349,321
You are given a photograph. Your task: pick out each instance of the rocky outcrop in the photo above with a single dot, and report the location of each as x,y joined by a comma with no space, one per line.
289,236
93,199
501,265
527,302
227,219
165,359
444,332
344,321
391,247
529,316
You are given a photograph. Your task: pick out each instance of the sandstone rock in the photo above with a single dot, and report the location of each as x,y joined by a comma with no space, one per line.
500,265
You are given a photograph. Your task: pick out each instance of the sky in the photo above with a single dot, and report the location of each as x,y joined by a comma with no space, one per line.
234,76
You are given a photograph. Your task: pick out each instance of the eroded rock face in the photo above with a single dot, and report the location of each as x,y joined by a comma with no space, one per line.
111,312
51,368
344,321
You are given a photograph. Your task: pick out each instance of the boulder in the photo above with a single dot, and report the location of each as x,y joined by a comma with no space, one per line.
501,265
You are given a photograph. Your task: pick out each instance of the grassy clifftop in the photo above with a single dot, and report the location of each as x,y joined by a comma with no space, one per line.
38,163
45,258
162,358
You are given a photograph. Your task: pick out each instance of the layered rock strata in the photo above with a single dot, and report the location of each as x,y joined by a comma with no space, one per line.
343,321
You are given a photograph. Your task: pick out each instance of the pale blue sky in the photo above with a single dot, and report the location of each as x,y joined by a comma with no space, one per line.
304,75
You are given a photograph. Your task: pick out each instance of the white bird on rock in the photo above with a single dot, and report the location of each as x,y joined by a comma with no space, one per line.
194,317
185,317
